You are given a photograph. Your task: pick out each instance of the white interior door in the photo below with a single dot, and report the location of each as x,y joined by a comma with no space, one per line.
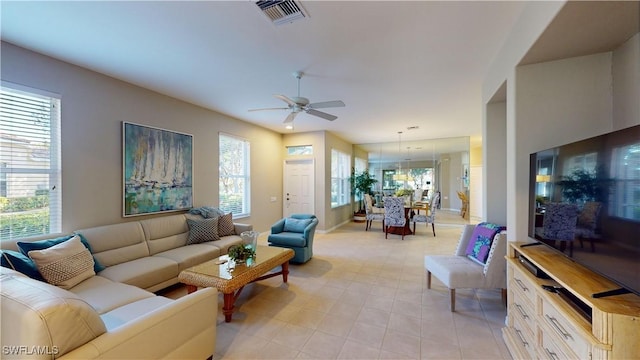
475,192
298,189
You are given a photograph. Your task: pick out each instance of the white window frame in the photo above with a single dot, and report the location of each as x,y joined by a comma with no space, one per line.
31,158
237,176
340,178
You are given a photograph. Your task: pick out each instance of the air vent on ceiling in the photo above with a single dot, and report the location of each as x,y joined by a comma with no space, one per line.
282,11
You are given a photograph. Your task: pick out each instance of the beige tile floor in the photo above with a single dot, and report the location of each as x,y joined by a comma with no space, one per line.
364,297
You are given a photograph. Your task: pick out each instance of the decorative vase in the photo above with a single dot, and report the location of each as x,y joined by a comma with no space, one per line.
250,238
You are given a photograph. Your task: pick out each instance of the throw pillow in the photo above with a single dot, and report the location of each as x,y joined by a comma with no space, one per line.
66,264
25,247
202,230
296,225
21,263
481,240
225,225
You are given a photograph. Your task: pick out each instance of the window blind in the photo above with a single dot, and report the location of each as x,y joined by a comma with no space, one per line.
234,180
30,181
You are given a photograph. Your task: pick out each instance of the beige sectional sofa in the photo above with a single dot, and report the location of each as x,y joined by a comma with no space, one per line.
115,314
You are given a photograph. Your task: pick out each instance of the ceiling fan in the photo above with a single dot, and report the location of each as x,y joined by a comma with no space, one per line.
298,104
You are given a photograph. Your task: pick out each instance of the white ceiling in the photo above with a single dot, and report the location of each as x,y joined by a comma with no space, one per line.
394,64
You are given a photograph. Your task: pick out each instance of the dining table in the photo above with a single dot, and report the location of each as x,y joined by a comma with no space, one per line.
409,211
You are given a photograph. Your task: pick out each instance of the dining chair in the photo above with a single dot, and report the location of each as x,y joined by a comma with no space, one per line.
465,203
430,217
559,224
394,215
372,213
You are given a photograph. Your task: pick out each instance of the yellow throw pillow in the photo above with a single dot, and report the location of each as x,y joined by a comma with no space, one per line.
66,264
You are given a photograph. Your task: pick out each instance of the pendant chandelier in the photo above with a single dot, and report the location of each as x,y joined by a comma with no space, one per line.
399,175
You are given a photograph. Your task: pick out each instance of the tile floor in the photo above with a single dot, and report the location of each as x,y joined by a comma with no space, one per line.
364,297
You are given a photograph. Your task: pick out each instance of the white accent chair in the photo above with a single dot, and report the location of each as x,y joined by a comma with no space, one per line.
458,271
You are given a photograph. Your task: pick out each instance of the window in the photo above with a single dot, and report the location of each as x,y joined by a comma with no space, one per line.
360,165
234,181
300,150
30,183
340,173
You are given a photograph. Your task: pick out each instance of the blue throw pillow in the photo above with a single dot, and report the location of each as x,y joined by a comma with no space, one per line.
21,263
25,247
296,225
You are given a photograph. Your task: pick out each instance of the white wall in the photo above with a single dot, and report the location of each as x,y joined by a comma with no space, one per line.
555,103
93,108
550,104
498,139
494,202
626,77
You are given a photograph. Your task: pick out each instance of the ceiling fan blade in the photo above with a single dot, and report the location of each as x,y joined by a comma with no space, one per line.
286,99
290,117
326,104
321,114
283,108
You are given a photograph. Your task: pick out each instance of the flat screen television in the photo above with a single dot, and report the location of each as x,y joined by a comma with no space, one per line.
600,178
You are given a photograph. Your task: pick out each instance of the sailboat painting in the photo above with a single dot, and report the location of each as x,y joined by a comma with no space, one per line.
157,170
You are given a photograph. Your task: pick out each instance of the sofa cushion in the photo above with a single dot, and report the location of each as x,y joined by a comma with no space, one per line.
458,271
105,295
25,247
117,243
143,273
65,264
129,312
288,239
202,230
20,262
165,233
35,313
188,256
296,225
225,225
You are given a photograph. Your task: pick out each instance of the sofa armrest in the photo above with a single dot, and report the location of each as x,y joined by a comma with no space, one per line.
184,329
310,230
240,228
278,227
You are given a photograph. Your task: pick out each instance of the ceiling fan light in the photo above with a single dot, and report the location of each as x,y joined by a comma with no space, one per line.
289,126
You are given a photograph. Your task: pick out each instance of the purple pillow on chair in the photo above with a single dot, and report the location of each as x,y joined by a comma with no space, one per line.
481,240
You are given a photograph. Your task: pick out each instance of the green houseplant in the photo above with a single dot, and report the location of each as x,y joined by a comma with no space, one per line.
241,253
361,184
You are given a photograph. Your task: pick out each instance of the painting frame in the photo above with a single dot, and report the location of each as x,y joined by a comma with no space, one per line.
157,170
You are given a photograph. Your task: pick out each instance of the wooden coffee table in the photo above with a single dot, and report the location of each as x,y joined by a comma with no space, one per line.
217,273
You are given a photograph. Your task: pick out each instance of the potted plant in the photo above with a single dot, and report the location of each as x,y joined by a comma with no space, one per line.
361,184
241,253
407,194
